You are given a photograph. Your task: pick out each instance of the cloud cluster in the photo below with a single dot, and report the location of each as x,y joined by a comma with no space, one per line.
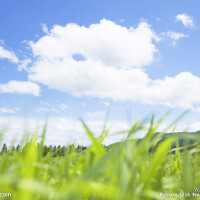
63,131
112,64
186,20
104,60
110,52
20,87
60,131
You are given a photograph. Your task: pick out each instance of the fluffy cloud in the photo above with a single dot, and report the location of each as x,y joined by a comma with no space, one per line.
186,20
20,87
5,54
106,43
111,65
175,36
182,91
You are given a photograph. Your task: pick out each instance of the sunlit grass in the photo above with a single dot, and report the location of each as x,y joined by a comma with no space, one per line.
133,169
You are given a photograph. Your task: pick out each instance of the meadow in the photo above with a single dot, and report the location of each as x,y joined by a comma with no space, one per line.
139,169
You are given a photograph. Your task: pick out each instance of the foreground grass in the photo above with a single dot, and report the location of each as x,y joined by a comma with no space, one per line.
132,169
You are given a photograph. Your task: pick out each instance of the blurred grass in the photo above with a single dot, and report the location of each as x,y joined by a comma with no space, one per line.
132,169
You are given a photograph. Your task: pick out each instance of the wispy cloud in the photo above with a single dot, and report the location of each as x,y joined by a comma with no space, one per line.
52,109
106,103
122,20
23,64
6,54
63,107
7,110
47,107
186,20
175,36
96,115
45,28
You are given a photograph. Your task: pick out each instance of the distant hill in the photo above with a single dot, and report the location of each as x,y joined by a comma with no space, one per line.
183,139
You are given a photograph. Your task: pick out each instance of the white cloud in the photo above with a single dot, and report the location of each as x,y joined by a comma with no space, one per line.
5,54
47,107
45,28
186,20
20,87
158,19
7,110
96,115
63,107
45,103
106,103
52,109
60,131
182,91
23,64
113,68
193,127
175,36
106,42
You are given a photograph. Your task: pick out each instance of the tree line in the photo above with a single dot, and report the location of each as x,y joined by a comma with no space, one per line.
55,151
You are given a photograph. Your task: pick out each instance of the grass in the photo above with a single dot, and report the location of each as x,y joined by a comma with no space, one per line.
131,169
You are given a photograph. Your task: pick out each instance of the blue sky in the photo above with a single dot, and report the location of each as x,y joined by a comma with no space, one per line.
71,59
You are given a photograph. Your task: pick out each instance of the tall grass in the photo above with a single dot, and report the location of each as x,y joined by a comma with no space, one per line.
133,169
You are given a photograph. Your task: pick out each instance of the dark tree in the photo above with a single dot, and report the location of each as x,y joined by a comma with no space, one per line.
4,149
18,148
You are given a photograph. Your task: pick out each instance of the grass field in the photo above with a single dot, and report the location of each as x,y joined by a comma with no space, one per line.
131,169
